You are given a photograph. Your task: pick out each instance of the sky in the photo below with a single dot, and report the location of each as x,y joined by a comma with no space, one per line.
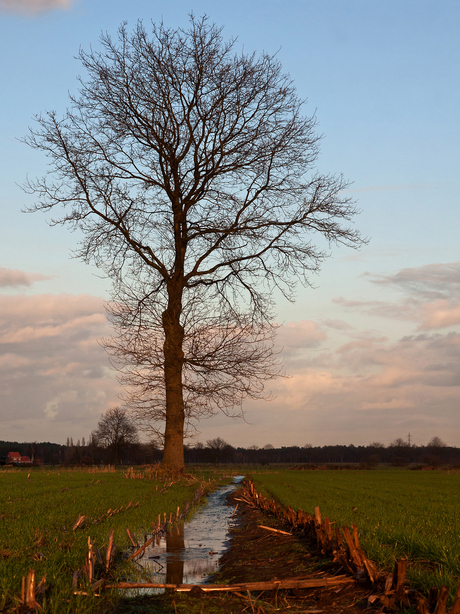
372,353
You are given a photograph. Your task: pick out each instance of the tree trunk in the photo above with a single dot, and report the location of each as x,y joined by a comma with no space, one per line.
173,456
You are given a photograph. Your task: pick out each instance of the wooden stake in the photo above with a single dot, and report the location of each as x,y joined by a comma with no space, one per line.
351,546
132,539
30,588
442,600
422,606
355,535
317,517
23,590
108,554
400,574
142,548
90,561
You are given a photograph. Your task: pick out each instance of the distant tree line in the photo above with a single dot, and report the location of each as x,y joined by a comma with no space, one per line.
398,453
115,441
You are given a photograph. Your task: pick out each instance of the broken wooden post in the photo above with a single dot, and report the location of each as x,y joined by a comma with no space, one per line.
442,600
400,577
30,588
108,554
132,539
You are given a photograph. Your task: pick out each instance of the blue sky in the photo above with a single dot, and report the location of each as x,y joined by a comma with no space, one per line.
373,352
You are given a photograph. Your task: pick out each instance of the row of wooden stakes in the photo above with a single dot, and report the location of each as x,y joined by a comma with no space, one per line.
343,545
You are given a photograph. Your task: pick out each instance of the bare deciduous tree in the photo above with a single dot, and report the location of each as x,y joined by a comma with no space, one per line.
436,442
115,430
218,447
189,166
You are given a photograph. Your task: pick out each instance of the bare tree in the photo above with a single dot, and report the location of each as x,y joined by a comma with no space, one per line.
218,447
189,167
115,430
436,442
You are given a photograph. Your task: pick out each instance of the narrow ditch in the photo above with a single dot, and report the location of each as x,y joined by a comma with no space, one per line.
190,553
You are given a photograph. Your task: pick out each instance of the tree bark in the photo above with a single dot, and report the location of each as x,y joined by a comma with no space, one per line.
173,456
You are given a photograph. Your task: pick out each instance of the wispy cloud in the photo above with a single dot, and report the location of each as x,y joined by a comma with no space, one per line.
32,7
13,278
431,296
429,282
298,336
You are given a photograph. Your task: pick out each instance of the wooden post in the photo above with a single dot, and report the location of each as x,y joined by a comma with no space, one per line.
442,600
108,554
400,574
317,516
90,561
23,590
30,588
132,539
422,606
354,554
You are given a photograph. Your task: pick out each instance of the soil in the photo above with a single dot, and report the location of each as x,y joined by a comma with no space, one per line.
257,554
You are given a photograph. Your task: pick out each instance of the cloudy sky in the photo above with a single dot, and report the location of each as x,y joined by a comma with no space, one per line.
373,352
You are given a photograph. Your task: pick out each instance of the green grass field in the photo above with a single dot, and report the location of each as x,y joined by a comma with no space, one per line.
399,513
38,509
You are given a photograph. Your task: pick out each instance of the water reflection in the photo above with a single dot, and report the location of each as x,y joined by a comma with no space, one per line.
190,552
175,545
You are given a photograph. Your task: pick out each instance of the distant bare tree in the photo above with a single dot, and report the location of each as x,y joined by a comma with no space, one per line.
436,442
399,443
218,446
190,170
115,430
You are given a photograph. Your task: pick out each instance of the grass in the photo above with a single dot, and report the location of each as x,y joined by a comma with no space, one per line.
399,513
38,509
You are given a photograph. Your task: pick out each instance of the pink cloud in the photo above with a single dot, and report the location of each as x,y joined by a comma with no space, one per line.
54,375
432,296
440,314
297,336
376,389
13,278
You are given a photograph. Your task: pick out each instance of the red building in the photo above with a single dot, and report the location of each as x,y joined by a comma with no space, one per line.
14,458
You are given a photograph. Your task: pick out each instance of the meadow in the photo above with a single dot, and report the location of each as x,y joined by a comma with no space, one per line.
399,513
39,509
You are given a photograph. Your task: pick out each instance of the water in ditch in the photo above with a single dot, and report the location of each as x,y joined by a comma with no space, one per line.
190,553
